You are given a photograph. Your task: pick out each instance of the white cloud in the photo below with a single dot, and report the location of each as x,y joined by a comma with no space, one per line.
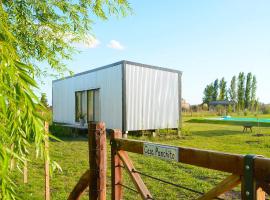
88,42
114,44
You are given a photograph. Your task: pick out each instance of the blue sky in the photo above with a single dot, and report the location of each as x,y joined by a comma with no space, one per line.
205,39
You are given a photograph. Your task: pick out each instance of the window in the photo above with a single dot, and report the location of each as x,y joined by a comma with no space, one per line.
78,105
96,105
87,103
90,105
93,105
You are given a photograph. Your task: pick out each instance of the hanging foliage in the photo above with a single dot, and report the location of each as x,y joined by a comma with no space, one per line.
33,32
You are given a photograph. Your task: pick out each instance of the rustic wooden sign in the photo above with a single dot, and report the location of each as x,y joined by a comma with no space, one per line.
161,151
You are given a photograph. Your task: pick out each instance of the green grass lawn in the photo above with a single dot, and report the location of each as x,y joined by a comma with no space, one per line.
72,155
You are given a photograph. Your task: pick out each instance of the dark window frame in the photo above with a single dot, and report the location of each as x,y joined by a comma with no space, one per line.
87,104
94,103
76,105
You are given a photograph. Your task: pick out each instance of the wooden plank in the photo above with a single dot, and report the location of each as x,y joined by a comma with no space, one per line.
212,160
46,164
262,169
80,187
265,186
260,194
231,163
129,145
116,169
135,177
224,186
97,161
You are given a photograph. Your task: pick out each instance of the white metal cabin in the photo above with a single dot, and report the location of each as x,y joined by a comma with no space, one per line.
125,95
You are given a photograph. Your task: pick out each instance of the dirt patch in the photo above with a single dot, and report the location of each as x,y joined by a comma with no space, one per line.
231,195
253,142
260,135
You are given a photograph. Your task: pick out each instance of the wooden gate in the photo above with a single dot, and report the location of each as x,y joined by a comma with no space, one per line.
251,171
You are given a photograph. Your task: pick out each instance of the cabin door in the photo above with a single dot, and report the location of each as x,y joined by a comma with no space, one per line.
93,105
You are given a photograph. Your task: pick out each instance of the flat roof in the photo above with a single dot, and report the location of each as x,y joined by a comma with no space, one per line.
221,102
118,63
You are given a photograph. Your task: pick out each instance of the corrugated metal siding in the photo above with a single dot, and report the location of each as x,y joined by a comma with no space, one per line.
109,80
152,99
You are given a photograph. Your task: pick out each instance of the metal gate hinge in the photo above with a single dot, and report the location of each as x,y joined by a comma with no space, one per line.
249,176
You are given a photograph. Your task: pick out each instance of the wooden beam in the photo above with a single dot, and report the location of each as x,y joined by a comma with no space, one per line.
97,160
224,186
231,163
135,177
260,194
80,187
116,169
262,169
265,186
129,145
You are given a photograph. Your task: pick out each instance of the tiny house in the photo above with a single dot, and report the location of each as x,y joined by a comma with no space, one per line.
125,95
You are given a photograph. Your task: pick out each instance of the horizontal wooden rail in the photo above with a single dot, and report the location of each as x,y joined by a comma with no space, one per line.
224,186
226,162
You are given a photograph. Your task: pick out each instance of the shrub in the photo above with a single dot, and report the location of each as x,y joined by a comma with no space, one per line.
230,109
205,107
59,130
194,108
186,131
266,110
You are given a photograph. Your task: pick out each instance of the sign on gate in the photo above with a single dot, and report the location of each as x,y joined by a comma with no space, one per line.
161,151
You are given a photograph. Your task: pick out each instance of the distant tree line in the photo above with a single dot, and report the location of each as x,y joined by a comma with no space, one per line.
44,100
242,91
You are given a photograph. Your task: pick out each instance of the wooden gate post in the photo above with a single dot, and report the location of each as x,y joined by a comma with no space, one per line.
116,168
97,160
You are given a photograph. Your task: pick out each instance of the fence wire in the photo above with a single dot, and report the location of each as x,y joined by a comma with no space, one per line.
129,188
171,183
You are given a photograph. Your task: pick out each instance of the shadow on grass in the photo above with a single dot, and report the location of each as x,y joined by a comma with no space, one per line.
70,139
214,133
207,133
236,123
